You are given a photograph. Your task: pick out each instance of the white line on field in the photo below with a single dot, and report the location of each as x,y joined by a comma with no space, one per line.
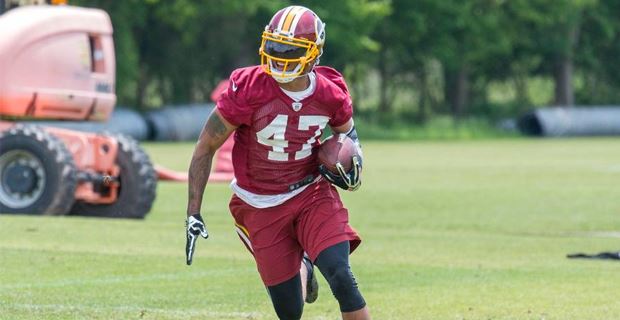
177,313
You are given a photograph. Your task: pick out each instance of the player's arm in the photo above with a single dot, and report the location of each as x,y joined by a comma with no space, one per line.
347,180
349,129
213,135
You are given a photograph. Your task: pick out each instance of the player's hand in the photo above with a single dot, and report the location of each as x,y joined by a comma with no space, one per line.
350,181
195,227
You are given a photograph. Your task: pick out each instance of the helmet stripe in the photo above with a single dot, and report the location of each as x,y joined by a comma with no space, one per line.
297,18
283,17
286,27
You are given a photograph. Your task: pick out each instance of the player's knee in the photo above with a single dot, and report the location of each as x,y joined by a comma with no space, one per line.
344,287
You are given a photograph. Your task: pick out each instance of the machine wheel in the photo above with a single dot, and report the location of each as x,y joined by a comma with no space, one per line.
37,172
137,180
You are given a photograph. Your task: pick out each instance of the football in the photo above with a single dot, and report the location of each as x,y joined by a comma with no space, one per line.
337,148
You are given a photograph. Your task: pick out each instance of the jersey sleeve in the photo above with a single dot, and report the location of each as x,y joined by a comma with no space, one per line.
343,113
232,104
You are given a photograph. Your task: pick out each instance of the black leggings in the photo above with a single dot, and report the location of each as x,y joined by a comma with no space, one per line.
333,263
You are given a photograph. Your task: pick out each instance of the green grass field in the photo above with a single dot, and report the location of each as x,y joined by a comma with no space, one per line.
452,230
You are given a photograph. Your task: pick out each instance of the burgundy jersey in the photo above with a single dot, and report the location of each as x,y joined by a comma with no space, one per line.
276,139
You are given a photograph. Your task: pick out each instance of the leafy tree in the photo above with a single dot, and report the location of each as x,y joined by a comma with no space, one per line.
595,56
546,34
442,53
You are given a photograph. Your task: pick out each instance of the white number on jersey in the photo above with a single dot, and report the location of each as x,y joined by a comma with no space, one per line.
273,135
305,122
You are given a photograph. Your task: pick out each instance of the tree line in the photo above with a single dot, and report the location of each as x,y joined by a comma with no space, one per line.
421,58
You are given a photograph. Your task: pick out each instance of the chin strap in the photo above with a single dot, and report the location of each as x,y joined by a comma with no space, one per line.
311,65
283,79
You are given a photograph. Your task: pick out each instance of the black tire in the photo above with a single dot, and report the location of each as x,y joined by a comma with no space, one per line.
137,180
37,172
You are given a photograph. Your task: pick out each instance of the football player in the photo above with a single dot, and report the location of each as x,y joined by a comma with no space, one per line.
285,207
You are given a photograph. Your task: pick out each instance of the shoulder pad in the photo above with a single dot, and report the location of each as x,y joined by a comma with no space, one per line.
333,76
249,84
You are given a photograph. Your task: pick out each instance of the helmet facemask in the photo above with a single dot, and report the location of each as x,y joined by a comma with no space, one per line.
287,58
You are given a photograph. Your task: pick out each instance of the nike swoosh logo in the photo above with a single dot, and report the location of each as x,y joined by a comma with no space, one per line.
234,86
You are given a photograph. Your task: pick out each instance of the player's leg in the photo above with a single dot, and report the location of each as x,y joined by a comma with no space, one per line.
323,229
333,263
276,251
287,298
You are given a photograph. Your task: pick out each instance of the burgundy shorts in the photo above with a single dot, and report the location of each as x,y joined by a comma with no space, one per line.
312,221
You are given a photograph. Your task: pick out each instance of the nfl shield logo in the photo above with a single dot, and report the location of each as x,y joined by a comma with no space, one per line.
296,106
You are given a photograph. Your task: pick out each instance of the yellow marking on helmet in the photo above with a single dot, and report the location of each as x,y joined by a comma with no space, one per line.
288,21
